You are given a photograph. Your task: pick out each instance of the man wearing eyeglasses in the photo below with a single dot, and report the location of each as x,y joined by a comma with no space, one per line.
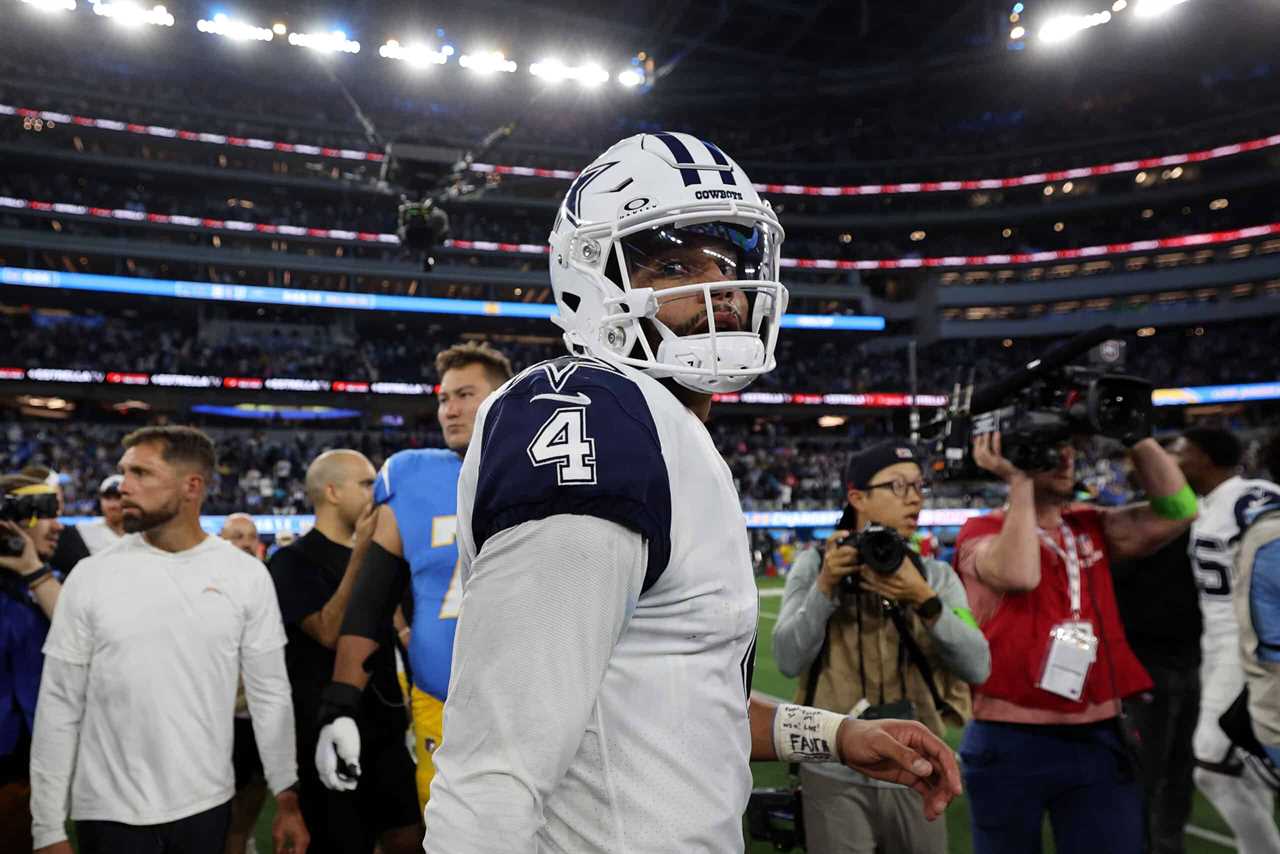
896,645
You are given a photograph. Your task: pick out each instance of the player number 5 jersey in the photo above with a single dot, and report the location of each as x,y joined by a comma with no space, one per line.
1215,539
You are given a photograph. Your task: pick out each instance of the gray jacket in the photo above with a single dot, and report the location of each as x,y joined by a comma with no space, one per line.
954,644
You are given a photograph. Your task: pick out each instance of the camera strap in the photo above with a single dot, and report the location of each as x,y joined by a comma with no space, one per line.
916,656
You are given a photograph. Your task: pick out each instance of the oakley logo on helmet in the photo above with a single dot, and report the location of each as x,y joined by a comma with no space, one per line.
635,204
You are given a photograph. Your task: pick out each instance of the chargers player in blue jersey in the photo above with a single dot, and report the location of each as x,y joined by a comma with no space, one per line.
600,693
416,498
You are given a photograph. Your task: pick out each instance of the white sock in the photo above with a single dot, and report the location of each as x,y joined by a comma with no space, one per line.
1247,805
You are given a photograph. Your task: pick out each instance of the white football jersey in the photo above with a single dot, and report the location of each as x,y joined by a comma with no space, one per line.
1215,538
663,762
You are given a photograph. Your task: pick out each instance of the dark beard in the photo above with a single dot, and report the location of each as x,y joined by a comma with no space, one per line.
144,521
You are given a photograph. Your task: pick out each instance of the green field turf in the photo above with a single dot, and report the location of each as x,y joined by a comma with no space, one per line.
769,681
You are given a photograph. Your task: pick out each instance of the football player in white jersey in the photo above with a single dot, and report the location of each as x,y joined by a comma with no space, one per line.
1210,459
599,698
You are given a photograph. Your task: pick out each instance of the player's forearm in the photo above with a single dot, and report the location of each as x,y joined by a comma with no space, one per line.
329,625
761,715
378,589
266,687
349,664
46,594
59,710
1010,560
1157,471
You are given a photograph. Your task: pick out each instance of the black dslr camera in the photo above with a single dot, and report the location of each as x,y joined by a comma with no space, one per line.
1044,405
22,509
880,549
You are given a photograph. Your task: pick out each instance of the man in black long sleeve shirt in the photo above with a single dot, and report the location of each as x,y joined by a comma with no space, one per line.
313,578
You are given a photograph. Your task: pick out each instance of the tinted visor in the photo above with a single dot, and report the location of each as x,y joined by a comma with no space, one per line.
690,253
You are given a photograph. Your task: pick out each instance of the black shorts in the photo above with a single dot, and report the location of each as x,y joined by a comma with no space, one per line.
352,822
244,755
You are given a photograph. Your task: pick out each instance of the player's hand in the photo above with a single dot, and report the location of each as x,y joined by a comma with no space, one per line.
906,585
987,454
902,752
366,524
25,563
338,755
63,847
288,830
837,562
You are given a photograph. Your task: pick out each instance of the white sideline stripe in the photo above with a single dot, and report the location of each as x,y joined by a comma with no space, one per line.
1211,836
771,593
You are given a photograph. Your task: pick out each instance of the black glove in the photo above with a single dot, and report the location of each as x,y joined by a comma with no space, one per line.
338,700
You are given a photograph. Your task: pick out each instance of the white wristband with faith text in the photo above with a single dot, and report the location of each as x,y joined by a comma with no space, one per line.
805,734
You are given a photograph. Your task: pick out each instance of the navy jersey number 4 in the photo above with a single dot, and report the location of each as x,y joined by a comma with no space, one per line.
573,436
563,442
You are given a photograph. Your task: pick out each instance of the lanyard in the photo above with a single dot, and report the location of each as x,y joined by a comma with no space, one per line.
1071,558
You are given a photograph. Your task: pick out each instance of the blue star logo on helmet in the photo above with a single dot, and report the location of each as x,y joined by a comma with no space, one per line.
584,179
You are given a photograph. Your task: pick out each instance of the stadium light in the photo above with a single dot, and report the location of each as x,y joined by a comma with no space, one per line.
1063,27
52,5
1155,8
555,71
487,62
335,41
130,14
419,56
630,78
230,28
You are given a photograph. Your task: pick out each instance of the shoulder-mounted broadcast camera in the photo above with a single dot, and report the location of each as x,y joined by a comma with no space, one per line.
1044,405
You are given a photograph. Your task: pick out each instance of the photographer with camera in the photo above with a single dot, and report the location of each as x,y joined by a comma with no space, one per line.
1048,731
882,633
29,531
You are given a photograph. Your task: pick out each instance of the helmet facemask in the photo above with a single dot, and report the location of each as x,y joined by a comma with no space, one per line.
699,303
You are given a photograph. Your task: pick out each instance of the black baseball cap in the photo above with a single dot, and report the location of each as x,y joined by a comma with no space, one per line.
863,466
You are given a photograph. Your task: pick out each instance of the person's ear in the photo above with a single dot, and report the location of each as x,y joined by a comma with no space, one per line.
858,499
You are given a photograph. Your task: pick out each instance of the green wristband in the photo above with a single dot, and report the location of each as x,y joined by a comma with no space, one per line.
966,617
1180,505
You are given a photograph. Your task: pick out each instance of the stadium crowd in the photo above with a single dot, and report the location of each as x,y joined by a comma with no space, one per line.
308,346
520,222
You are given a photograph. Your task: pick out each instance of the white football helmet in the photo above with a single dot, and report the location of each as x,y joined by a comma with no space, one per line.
644,195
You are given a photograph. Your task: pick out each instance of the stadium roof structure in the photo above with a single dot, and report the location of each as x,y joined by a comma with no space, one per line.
766,46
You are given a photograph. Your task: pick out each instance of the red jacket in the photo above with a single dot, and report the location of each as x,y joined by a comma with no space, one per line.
1018,631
